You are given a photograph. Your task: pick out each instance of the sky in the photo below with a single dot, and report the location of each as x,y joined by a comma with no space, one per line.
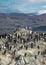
23,6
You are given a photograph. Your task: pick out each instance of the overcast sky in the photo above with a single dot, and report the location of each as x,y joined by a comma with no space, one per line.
23,6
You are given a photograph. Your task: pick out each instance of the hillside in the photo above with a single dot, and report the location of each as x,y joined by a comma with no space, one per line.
8,22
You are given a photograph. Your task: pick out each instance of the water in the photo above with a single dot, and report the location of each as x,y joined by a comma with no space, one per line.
40,28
